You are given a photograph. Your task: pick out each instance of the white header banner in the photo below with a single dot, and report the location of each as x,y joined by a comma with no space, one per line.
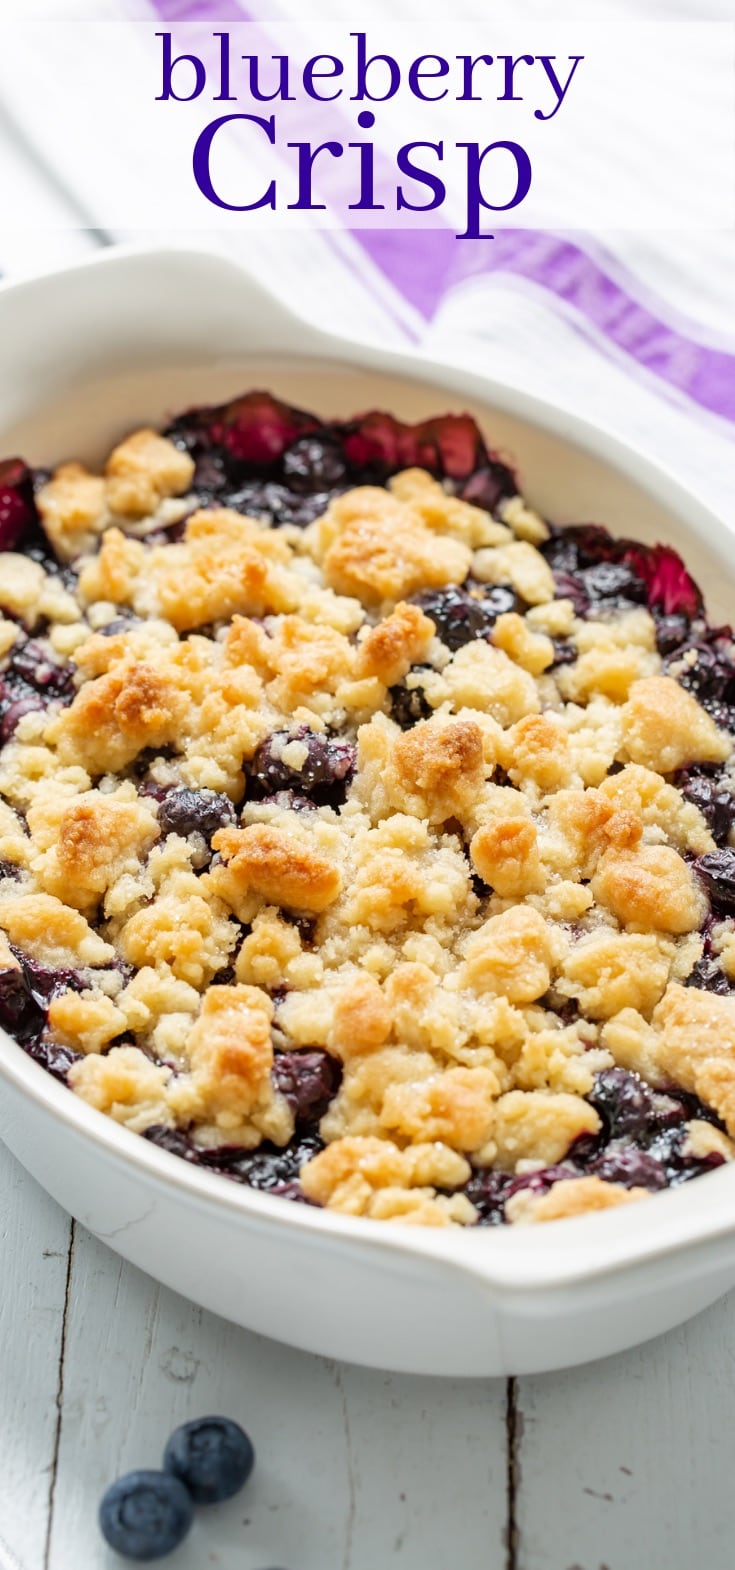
474,126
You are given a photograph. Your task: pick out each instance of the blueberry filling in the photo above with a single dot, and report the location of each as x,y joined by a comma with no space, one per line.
565,652
704,663
121,622
671,631
18,517
708,975
309,1081
13,710
714,795
175,1142
31,680
57,1060
315,766
186,812
717,871
25,994
257,447
409,704
462,614
628,1108
284,466
315,464
641,1144
633,1168
19,1012
268,1169
306,928
490,1191
600,573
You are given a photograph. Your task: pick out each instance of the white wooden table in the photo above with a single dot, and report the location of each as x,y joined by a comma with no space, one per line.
624,1465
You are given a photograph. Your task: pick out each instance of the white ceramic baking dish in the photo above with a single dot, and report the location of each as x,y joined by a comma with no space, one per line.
130,337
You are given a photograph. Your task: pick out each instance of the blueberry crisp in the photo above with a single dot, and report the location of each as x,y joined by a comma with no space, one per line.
365,838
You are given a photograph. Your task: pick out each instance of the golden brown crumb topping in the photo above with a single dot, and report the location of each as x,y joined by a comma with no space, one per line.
472,912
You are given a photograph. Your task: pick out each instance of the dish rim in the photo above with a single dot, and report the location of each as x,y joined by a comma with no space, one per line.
505,1260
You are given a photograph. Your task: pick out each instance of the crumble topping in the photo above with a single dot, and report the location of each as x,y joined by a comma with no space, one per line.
362,835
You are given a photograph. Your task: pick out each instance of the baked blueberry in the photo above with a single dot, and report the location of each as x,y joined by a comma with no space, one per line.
460,615
717,871
269,1169
632,1167
183,811
211,1456
713,795
146,1515
671,631
408,705
35,667
582,545
705,667
309,1080
315,463
708,975
17,508
57,1060
19,1013
614,582
14,712
173,1140
488,486
313,765
628,1107
569,586
488,1191
565,652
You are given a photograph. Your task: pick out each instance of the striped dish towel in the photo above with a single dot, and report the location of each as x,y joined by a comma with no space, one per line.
635,331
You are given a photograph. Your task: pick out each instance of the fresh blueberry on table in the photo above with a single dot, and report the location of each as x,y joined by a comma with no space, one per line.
212,1456
145,1515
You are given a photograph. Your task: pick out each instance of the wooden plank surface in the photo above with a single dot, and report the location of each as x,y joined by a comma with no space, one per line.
34,1245
356,1470
628,1464
624,1465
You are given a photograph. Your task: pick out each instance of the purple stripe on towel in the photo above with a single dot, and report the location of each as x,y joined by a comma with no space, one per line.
426,272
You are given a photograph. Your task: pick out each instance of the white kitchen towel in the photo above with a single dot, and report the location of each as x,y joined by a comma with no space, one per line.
634,330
